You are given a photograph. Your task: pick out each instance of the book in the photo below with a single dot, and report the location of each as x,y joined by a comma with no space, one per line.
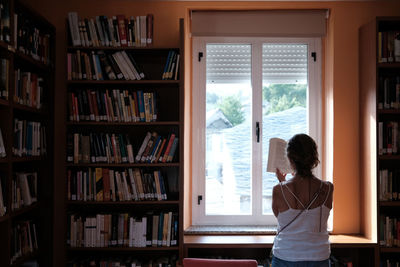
3,207
74,28
99,184
122,30
149,28
277,156
2,147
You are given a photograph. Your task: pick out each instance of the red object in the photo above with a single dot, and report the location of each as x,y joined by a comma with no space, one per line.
194,262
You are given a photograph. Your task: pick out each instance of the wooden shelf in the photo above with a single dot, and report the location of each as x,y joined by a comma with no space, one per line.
372,92
389,157
389,111
4,218
152,48
122,203
132,165
42,67
6,46
105,123
389,203
4,102
27,159
121,82
40,213
169,104
390,249
28,109
122,249
389,65
24,210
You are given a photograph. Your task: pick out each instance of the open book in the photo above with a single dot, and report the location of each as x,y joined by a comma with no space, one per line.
277,156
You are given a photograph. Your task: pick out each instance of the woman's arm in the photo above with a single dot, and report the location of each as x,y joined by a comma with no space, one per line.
276,193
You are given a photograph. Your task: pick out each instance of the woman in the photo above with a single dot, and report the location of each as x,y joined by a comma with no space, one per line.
302,206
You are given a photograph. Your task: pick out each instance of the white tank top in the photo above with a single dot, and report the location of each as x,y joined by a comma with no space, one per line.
307,237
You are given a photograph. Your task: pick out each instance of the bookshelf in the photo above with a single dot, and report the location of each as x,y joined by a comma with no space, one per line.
26,95
379,117
125,206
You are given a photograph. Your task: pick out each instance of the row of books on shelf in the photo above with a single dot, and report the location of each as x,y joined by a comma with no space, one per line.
123,230
3,205
4,77
112,105
119,65
2,146
388,46
103,184
29,138
31,40
99,147
28,89
389,92
24,190
157,148
115,31
389,184
5,29
24,239
169,261
171,68
117,148
388,138
389,232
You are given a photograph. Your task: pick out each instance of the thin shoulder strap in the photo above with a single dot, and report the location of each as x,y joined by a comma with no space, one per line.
287,187
283,194
315,197
301,211
327,195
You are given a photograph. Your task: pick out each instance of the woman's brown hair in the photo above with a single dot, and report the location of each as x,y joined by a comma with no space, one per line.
303,153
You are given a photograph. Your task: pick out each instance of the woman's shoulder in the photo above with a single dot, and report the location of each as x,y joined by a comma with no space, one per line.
328,184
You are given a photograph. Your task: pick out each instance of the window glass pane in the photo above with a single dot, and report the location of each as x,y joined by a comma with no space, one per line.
285,86
228,129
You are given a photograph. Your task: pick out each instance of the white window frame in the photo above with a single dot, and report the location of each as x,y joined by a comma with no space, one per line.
314,100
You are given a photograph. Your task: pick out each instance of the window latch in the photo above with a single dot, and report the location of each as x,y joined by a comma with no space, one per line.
199,198
314,56
258,131
200,56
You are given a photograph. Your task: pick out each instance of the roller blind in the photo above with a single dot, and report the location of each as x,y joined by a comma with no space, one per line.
281,63
266,23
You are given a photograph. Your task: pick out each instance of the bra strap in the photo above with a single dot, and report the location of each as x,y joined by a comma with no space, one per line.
283,194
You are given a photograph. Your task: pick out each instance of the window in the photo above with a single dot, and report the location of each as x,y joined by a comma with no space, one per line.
241,87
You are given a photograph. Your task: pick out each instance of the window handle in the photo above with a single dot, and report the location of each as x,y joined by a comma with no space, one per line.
258,131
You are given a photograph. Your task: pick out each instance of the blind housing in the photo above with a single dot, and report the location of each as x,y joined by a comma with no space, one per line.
264,23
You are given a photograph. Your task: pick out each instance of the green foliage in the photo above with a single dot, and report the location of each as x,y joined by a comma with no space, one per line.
284,96
232,109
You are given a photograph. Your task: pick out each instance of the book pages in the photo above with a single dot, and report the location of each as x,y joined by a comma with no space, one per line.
277,156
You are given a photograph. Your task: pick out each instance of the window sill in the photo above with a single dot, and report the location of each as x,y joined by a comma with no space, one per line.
241,237
230,230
